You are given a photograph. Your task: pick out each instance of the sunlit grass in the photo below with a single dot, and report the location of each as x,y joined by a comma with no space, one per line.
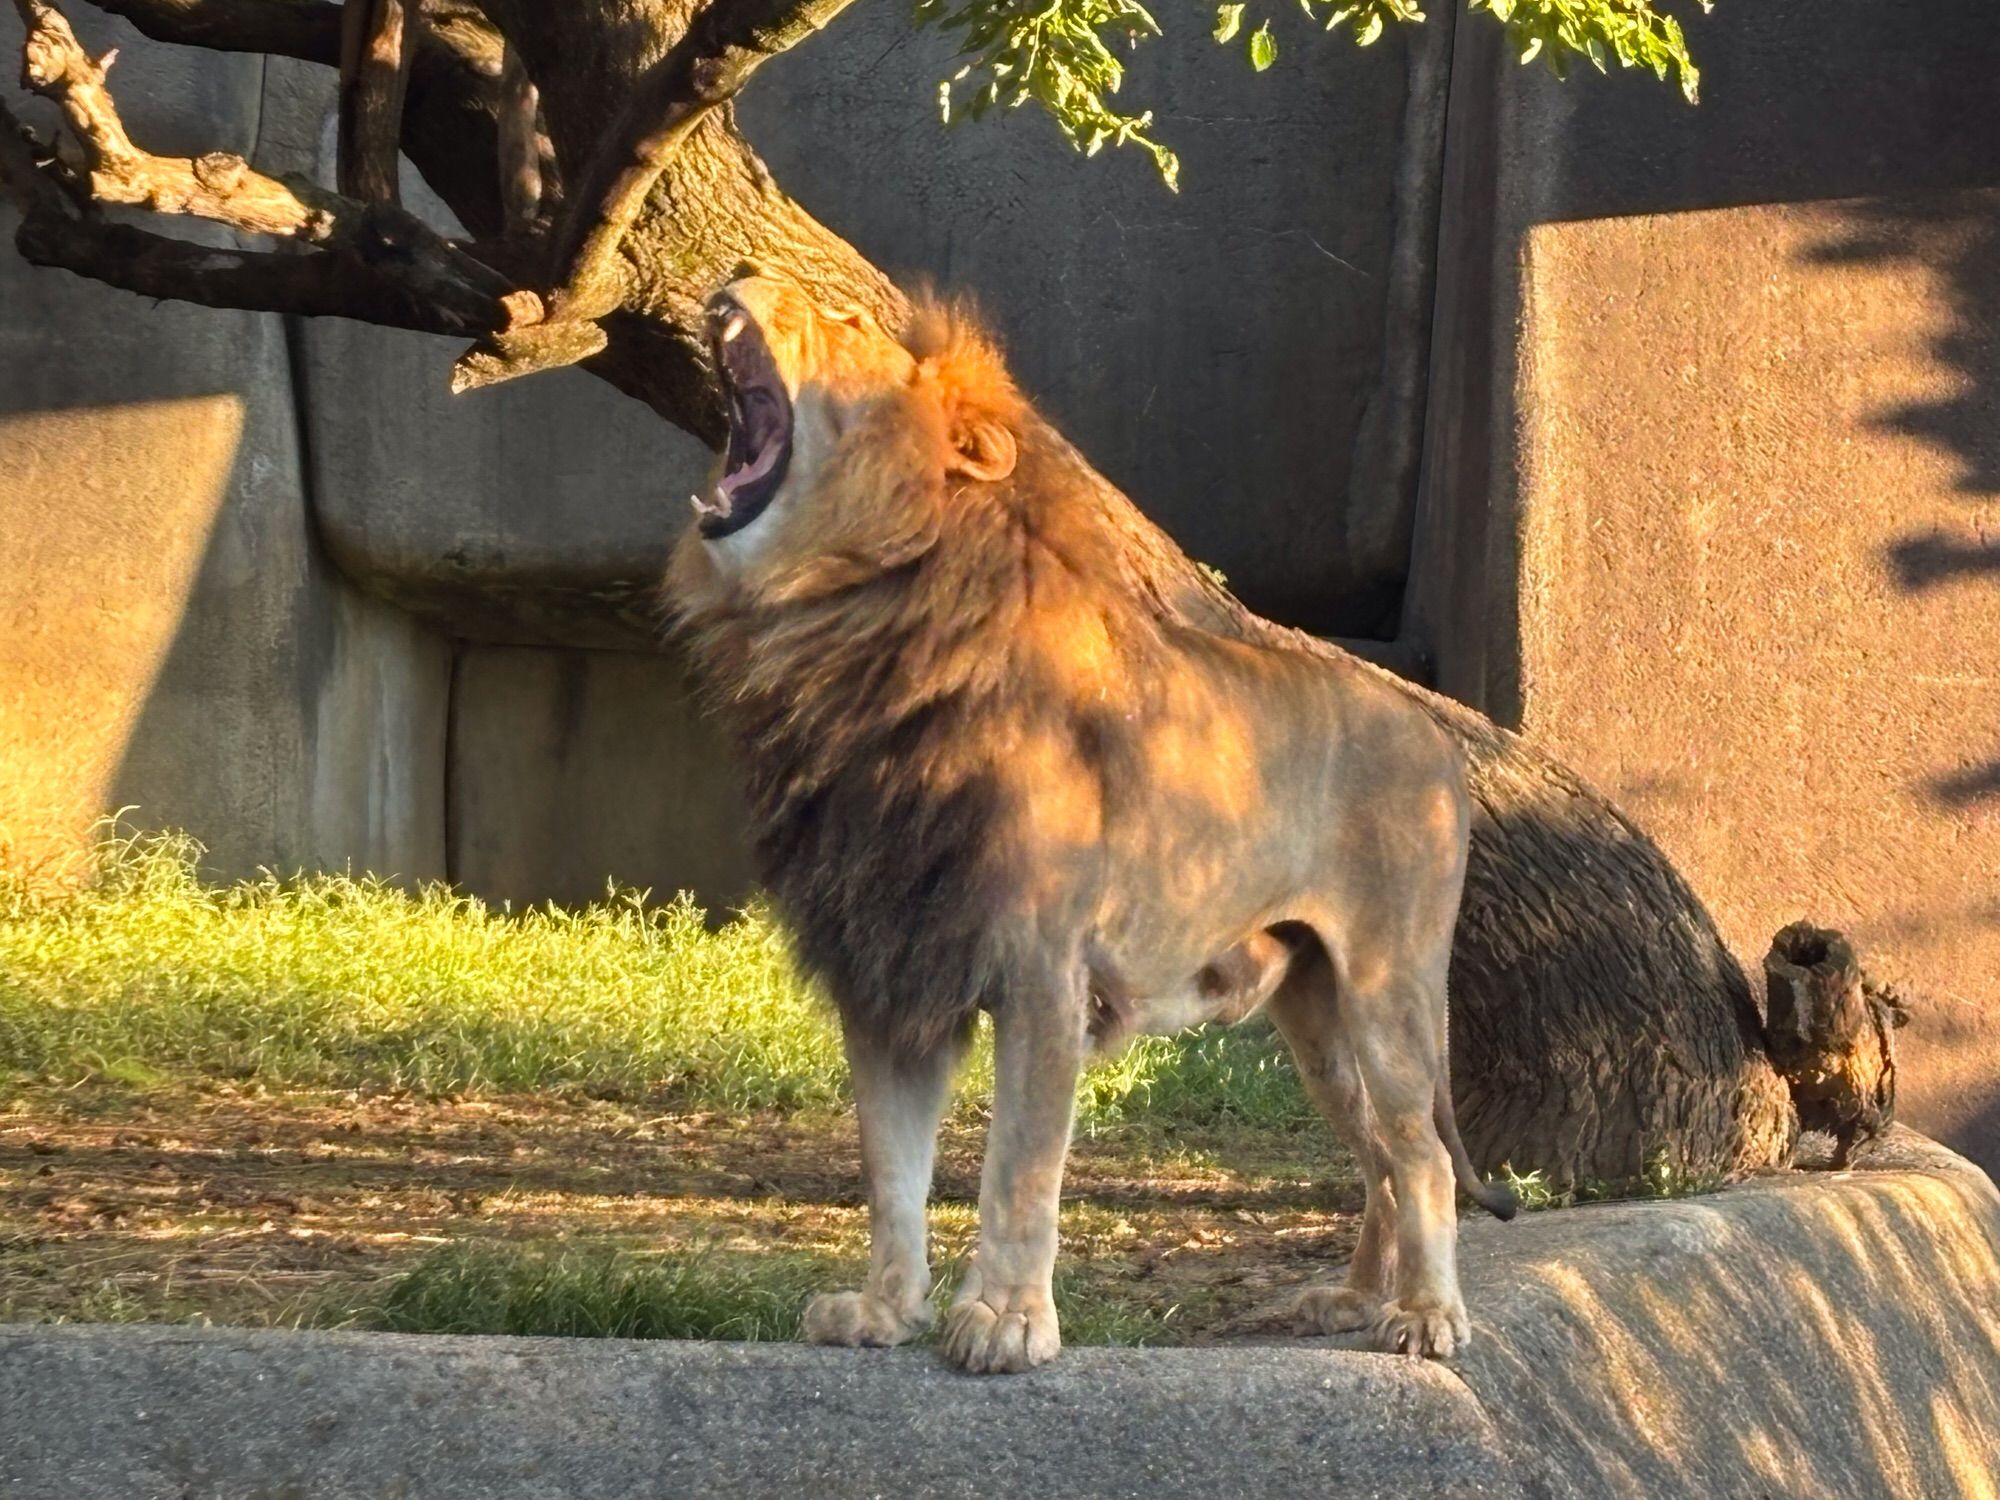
143,974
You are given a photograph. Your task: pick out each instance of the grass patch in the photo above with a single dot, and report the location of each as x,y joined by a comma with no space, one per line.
1662,1178
597,1293
701,1293
143,975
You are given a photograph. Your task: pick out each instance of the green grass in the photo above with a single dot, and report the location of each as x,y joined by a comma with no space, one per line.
143,974
705,1293
596,1293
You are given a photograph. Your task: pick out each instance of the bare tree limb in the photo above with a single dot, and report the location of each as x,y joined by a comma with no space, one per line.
448,116
374,244
377,44
305,29
312,286
59,228
723,46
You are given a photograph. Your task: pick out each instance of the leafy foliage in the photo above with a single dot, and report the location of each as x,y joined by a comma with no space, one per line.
1057,54
1061,54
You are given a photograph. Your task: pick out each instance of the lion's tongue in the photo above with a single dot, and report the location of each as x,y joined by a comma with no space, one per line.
756,438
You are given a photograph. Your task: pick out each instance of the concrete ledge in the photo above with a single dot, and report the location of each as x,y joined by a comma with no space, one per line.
1811,1334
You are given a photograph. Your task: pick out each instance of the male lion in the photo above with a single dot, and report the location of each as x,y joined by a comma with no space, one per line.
1004,756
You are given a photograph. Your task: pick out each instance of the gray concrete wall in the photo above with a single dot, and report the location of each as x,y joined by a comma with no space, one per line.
573,768
1245,359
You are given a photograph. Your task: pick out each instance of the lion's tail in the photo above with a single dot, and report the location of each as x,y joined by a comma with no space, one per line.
1495,1197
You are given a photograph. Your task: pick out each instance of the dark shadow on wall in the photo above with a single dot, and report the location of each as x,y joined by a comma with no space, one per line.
1956,238
1800,100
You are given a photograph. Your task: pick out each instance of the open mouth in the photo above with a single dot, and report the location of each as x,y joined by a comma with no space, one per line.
760,423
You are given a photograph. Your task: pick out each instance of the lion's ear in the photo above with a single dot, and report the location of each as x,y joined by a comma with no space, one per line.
984,450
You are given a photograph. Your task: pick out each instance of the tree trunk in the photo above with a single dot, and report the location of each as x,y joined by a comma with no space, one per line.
1601,1032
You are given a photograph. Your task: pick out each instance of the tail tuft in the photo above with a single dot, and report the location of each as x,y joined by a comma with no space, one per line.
1498,1200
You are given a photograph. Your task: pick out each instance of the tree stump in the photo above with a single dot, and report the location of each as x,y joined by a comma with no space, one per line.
1831,1033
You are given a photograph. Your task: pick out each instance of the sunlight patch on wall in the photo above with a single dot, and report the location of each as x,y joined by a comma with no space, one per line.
105,516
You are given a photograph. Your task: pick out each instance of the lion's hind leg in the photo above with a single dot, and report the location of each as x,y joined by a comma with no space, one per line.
1397,1030
1368,1032
1304,1010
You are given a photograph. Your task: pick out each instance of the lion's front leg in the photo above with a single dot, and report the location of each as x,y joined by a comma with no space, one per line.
1004,1317
899,1101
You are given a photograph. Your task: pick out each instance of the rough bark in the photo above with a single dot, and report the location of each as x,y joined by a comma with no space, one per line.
377,47
1601,1031
1832,1035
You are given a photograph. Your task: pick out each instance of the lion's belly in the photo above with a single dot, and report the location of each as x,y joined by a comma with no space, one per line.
1179,986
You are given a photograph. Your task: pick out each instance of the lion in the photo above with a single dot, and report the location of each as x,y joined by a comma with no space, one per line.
1005,754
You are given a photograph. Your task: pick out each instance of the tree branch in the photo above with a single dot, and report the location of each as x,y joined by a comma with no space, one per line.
448,116
59,229
377,43
312,286
374,242
724,45
305,29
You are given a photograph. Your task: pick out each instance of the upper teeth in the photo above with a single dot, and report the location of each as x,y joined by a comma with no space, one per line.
733,327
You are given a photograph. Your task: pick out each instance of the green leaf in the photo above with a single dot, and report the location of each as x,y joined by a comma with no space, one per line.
1228,20
1370,30
1263,47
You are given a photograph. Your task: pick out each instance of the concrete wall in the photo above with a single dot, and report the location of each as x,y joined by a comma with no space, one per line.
1713,479
1819,1334
573,768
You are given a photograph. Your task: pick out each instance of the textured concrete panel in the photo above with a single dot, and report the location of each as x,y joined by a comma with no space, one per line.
1826,1334
571,768
230,1416
169,639
1820,1335
1768,627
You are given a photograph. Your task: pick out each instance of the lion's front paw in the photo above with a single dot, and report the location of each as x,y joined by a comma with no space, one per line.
1334,1309
857,1318
1420,1330
1003,1335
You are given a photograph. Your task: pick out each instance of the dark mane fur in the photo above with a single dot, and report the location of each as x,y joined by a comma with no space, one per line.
875,724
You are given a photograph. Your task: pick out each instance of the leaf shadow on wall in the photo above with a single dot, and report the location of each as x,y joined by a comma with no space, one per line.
1956,238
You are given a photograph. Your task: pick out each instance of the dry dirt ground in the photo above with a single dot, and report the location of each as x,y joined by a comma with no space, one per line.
238,1206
